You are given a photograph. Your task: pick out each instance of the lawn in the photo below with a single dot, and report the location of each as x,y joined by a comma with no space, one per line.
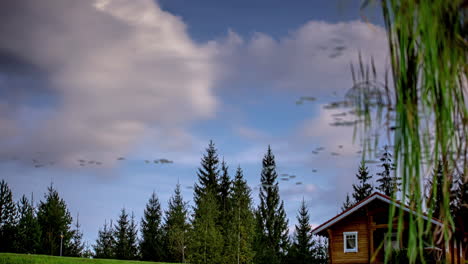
8,258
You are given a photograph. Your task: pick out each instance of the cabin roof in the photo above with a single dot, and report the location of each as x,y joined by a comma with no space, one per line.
361,204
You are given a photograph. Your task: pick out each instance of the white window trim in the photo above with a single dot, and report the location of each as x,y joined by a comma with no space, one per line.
355,233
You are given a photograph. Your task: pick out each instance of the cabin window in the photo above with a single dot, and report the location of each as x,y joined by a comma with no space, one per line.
350,241
394,241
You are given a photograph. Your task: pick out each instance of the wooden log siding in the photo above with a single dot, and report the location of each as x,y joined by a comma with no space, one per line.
330,255
354,223
369,218
370,234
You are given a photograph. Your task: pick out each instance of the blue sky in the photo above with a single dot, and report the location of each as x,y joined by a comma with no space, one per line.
144,80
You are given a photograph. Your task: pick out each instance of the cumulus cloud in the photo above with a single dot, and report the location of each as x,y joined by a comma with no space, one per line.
112,70
312,59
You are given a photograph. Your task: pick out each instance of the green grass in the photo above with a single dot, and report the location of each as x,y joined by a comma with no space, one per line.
8,258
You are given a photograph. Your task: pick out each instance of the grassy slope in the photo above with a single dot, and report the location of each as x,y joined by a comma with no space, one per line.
7,258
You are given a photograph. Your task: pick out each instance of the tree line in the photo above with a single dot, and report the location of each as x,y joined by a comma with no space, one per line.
223,225
47,228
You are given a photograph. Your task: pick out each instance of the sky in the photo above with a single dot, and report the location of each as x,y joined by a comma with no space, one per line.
116,83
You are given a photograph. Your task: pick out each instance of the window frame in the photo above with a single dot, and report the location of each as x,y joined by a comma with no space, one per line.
345,234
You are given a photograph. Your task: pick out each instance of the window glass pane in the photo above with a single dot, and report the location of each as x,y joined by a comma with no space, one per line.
350,242
395,244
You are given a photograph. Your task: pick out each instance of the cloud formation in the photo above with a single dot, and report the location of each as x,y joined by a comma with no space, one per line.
314,59
110,71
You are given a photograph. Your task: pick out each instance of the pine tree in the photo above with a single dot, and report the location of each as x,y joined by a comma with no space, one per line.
151,244
125,237
208,174
87,252
320,251
29,231
225,206
132,236
55,221
105,244
241,227
176,227
388,184
364,188
272,241
76,244
347,204
301,250
121,246
206,243
8,218
224,191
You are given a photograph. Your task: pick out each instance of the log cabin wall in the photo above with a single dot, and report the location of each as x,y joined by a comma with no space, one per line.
369,219
356,222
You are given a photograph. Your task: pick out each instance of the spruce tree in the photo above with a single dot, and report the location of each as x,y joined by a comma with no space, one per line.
132,236
225,206
55,221
364,188
388,184
121,246
347,204
206,242
224,191
8,218
208,173
242,224
320,251
151,244
301,250
76,243
272,225
105,243
29,231
125,234
176,227
87,252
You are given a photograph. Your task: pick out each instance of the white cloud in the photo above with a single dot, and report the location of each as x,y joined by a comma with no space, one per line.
119,69
313,59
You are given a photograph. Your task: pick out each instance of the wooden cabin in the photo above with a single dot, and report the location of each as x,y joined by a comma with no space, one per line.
357,234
